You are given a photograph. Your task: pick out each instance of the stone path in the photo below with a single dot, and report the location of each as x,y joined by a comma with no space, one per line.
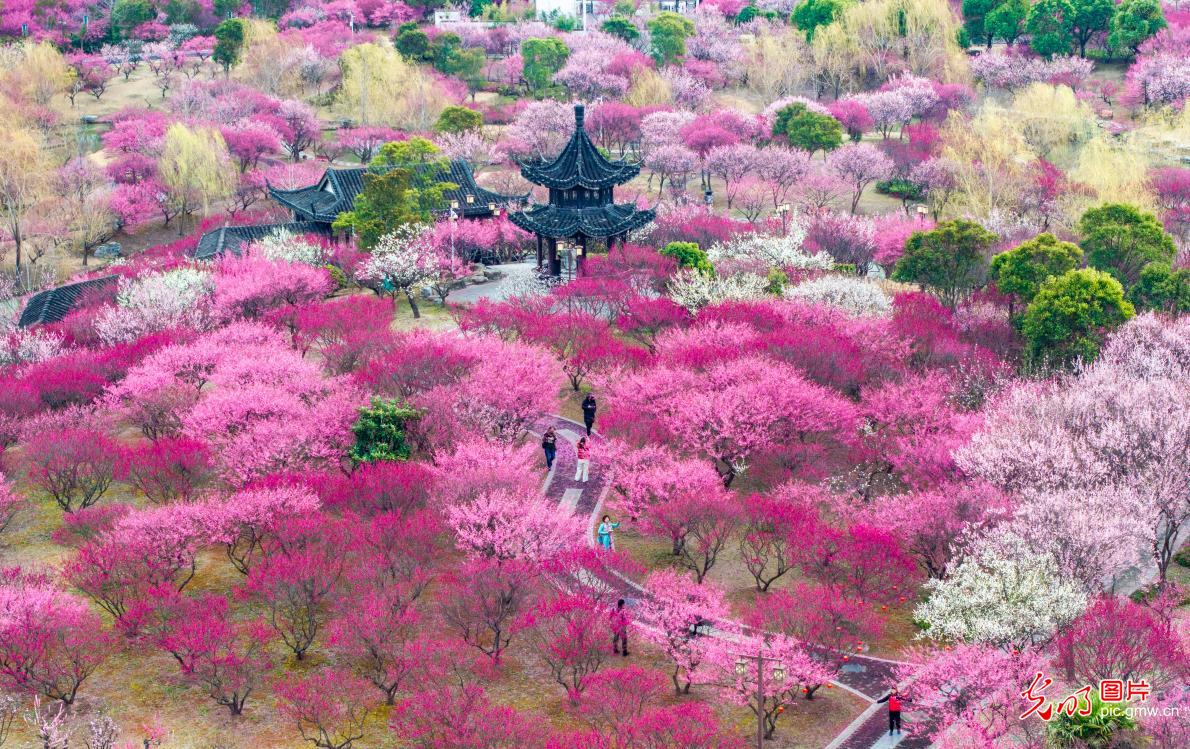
516,275
865,676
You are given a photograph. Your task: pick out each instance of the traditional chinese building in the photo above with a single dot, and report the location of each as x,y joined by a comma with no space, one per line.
582,211
335,193
315,207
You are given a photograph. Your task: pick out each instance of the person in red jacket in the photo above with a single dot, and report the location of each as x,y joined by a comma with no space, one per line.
620,627
893,699
583,464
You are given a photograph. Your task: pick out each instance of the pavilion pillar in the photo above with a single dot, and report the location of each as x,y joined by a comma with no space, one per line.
580,262
555,261
540,259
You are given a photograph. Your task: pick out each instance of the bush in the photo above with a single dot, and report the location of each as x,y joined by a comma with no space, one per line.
1183,556
688,255
380,432
902,188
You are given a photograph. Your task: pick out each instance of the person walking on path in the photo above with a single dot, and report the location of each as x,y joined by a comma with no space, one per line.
893,699
589,407
604,533
620,628
583,465
549,443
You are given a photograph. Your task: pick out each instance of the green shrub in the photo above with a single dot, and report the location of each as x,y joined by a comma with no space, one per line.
380,432
689,255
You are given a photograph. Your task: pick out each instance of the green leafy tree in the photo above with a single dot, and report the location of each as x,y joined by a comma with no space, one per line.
668,32
1121,239
380,432
689,255
975,14
1050,27
808,130
415,150
181,11
810,14
1162,287
543,58
413,44
457,120
950,259
448,57
1021,270
403,186
1071,314
229,43
1091,17
621,27
387,202
1007,20
126,15
1133,22
225,8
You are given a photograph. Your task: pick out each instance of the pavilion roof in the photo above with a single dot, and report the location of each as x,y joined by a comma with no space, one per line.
338,188
231,239
600,221
579,165
52,305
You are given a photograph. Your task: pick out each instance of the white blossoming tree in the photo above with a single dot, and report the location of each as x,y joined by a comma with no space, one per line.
851,295
784,252
26,346
1003,593
176,298
694,290
404,261
284,245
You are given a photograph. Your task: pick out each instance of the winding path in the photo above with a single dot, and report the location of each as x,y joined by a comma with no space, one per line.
865,676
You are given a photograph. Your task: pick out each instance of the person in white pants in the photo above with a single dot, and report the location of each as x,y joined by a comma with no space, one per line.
583,465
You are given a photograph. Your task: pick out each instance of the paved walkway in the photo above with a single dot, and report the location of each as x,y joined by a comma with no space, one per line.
516,278
865,676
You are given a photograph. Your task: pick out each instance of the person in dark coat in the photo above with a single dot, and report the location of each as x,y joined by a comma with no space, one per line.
893,699
589,412
549,443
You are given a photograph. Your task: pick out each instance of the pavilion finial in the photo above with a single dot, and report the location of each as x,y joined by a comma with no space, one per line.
578,116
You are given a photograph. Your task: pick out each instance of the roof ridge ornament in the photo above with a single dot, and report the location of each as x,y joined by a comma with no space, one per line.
579,111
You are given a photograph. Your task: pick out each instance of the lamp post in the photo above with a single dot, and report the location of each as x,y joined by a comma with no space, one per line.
741,670
454,219
783,212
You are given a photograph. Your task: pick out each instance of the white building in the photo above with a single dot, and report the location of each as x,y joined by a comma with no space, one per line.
574,8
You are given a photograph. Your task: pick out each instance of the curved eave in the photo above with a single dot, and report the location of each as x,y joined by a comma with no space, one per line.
580,164
619,177
603,222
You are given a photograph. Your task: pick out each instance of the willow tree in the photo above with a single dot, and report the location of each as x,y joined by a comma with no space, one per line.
24,179
379,87
919,36
777,64
38,71
196,168
1053,121
993,161
1115,171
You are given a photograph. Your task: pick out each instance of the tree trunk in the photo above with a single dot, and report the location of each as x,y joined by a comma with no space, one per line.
412,303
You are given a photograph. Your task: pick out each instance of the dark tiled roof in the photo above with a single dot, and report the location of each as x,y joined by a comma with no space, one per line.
52,305
601,221
336,192
579,165
233,238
